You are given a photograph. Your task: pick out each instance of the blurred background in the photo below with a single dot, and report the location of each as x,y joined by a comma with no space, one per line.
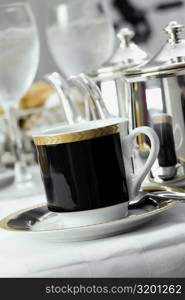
40,106
146,18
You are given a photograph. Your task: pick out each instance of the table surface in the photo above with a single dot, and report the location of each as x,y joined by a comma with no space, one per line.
157,249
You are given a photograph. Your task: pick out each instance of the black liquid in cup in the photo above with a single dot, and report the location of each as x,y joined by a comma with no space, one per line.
167,154
84,171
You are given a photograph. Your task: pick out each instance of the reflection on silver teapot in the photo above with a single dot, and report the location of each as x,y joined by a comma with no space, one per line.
156,98
109,78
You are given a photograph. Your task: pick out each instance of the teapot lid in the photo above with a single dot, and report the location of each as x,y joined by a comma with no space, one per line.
169,58
128,55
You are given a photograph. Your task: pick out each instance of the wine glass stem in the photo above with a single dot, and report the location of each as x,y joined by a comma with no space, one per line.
20,168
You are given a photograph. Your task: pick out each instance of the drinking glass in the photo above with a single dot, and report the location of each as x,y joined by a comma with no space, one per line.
80,36
19,57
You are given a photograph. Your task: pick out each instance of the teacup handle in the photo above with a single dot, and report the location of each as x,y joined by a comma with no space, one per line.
134,180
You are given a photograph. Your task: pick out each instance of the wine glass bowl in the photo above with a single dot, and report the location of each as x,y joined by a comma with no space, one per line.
19,58
19,51
80,36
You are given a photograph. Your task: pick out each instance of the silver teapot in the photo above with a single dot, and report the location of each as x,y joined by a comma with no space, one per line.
156,98
109,78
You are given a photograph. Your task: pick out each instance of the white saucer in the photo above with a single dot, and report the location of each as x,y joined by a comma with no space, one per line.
28,223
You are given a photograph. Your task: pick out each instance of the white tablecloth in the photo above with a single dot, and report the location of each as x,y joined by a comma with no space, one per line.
155,250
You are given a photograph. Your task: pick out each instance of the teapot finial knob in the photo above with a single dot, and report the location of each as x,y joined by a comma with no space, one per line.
125,35
174,30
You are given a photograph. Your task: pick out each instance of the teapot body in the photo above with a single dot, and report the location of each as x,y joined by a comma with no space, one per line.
110,77
158,100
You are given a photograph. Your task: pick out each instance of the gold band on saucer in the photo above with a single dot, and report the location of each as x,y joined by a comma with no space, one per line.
6,225
76,136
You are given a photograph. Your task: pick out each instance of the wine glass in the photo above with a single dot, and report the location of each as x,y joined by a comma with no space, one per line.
19,57
80,36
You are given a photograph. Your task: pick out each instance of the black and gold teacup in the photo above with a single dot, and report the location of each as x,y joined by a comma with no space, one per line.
87,171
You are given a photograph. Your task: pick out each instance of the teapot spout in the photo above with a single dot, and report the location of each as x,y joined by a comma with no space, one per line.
94,97
57,82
